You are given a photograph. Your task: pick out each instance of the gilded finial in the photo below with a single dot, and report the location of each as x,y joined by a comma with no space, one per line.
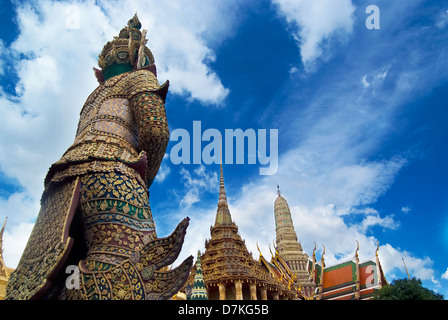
406,268
357,248
3,229
270,251
259,249
322,262
1,238
377,248
134,22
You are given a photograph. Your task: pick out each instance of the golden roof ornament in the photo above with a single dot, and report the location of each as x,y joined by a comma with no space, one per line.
1,237
278,190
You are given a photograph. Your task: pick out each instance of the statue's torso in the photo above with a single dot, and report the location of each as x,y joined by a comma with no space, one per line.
107,128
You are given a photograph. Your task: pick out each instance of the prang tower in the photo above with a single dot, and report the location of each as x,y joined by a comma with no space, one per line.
288,246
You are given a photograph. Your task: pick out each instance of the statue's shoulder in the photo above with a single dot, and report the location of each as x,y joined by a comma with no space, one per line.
140,81
140,75
127,84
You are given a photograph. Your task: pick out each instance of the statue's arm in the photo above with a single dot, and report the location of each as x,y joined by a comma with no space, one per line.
148,105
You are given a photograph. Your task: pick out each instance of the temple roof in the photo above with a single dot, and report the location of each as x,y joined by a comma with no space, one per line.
351,279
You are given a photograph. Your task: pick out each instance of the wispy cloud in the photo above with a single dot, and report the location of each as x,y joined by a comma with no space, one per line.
442,20
375,79
406,209
164,169
445,274
314,24
196,182
391,260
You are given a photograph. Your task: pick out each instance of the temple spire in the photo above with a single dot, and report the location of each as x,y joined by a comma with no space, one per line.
222,189
289,247
199,290
223,214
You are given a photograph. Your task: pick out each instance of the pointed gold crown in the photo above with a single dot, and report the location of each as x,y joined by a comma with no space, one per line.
127,49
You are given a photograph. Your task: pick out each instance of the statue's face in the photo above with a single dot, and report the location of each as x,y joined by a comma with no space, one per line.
120,57
116,62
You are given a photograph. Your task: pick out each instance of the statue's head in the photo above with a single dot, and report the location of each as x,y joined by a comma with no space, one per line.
125,53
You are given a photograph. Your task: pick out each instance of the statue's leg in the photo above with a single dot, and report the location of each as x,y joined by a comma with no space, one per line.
117,218
124,256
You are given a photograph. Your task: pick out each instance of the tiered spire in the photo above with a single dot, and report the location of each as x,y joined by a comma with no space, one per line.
286,235
199,290
222,190
288,246
223,216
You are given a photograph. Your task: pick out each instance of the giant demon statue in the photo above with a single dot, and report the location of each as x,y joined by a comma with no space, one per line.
95,220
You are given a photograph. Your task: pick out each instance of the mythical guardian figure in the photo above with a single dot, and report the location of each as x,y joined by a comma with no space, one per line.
95,220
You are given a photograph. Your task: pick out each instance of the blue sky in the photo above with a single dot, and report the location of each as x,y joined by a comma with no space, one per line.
361,117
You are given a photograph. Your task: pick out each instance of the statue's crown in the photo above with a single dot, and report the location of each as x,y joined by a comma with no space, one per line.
128,47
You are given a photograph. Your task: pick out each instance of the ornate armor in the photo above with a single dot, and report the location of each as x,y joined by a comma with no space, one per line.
95,210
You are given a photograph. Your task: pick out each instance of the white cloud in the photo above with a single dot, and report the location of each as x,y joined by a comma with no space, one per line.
196,182
164,169
391,261
293,70
445,274
21,210
3,52
176,37
364,82
374,80
406,209
14,240
443,19
315,23
373,218
436,282
197,232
